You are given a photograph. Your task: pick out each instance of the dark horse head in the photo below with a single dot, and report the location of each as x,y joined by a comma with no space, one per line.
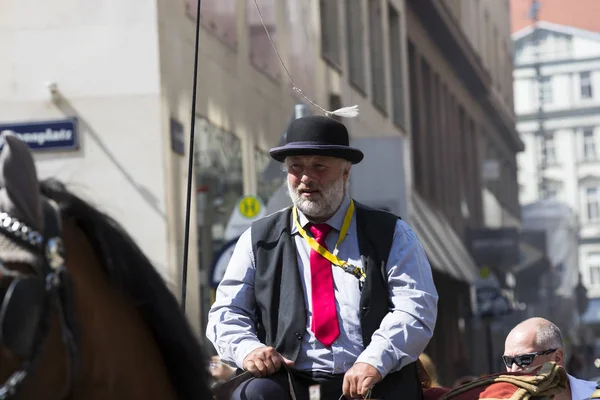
83,313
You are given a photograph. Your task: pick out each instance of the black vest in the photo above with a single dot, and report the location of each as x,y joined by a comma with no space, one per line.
281,316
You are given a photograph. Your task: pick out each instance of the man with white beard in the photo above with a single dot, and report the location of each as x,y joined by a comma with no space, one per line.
327,295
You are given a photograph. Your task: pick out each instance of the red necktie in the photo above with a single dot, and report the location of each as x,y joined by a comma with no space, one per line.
324,315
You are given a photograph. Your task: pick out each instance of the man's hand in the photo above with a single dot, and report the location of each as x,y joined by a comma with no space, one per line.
265,361
359,379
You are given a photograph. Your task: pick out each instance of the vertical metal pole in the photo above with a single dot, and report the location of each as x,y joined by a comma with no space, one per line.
541,134
191,179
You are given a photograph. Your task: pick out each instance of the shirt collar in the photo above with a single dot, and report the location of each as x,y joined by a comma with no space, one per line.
336,221
581,389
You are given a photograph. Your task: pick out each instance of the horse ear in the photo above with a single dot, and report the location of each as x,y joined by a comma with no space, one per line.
19,186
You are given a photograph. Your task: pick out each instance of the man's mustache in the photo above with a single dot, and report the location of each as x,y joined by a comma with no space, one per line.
310,186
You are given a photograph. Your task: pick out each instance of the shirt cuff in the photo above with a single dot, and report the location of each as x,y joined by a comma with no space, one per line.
243,349
380,360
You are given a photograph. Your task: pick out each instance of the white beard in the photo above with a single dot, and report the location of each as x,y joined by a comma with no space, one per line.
330,200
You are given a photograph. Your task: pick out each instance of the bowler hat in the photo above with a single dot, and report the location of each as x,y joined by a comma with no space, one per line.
317,135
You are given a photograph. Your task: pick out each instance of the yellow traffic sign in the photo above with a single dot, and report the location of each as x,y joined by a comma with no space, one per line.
249,206
485,272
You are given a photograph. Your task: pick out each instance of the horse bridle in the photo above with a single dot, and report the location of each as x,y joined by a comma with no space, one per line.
27,305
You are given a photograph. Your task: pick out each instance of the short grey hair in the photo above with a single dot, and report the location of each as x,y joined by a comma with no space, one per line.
548,336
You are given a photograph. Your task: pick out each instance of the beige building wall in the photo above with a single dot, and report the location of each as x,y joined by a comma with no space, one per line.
103,60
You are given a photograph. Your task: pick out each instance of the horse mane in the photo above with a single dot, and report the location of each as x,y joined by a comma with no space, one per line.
131,271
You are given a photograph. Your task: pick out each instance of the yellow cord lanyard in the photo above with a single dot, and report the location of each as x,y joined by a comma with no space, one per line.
358,272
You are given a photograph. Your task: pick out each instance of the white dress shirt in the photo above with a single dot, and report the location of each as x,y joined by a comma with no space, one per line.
402,336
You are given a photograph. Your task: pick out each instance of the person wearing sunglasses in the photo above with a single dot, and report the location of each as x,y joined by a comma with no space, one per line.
536,341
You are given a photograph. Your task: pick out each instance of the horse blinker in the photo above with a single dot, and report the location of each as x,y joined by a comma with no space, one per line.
20,315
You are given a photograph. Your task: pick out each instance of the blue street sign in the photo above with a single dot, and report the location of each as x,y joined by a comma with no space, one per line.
45,135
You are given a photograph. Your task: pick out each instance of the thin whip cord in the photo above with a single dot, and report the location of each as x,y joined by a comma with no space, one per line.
294,86
186,240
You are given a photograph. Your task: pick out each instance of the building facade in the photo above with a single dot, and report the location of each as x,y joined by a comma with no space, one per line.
559,122
464,141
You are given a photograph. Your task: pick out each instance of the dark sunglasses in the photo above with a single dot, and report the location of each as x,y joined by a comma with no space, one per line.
523,360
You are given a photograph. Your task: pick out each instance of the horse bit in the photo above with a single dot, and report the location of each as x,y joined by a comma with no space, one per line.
28,301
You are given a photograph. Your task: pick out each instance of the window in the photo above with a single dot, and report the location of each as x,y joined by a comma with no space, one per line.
397,69
561,46
550,149
551,193
551,189
219,167
595,275
508,53
330,36
593,262
486,39
269,177
302,44
546,91
355,44
592,203
495,58
417,140
335,102
262,55
585,82
589,144
376,54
